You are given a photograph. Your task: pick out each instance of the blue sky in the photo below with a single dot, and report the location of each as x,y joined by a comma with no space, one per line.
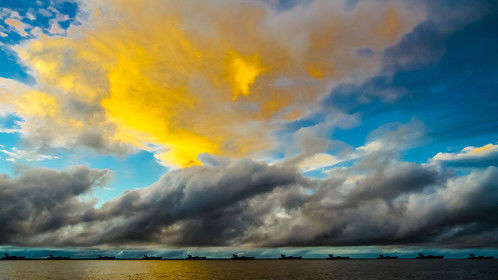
389,97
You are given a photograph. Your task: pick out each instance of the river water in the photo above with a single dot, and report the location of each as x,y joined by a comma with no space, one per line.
255,269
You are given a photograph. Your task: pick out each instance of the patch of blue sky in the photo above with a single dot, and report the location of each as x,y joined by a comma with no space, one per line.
134,171
39,14
34,14
318,173
129,171
10,121
11,68
454,96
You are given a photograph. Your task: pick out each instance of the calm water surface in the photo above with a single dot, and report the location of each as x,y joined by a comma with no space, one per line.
258,269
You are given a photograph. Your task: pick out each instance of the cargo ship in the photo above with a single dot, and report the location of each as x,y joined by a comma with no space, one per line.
332,257
474,257
284,257
422,256
382,257
237,257
100,257
145,257
52,257
8,257
190,257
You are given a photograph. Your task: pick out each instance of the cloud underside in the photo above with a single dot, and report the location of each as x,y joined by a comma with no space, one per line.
218,81
252,204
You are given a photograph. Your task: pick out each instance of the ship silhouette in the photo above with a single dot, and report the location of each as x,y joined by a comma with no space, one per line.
100,257
422,256
236,257
284,257
145,257
51,257
190,257
474,257
8,257
332,257
382,257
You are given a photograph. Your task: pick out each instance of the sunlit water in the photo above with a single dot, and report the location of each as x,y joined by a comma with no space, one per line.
257,269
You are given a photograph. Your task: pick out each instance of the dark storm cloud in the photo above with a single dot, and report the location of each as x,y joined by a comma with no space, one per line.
402,178
201,206
41,201
452,213
248,203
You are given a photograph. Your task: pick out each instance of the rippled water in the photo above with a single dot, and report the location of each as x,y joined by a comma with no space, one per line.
257,269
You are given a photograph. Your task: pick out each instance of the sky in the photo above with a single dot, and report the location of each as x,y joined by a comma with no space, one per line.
259,127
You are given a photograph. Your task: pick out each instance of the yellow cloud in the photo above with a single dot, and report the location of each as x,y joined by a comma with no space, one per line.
484,149
244,71
150,71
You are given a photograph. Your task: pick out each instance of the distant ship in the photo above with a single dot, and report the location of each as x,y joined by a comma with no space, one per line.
332,257
145,257
7,257
422,256
474,257
236,257
382,257
100,257
51,257
284,257
190,257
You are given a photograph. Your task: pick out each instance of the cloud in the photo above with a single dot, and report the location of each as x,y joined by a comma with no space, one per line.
378,200
14,154
151,72
17,25
49,122
470,156
184,202
405,205
318,161
40,201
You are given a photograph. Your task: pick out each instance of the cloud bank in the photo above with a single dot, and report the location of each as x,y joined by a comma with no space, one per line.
379,200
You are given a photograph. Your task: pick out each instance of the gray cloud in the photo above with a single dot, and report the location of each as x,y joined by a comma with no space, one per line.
41,201
379,200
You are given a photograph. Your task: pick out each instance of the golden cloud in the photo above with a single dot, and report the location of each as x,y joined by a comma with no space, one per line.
200,76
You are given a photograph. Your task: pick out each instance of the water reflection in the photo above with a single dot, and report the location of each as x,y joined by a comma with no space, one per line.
253,269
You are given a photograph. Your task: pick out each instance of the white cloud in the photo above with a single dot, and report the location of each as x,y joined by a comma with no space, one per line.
18,26
14,154
469,152
318,161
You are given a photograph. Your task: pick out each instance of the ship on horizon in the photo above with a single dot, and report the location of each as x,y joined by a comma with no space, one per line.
474,257
237,257
100,257
382,257
145,257
190,257
422,256
52,257
332,257
284,257
8,257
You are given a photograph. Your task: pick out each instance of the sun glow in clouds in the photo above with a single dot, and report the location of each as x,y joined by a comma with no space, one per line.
244,71
143,72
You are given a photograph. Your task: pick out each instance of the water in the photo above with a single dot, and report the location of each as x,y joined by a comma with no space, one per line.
258,269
